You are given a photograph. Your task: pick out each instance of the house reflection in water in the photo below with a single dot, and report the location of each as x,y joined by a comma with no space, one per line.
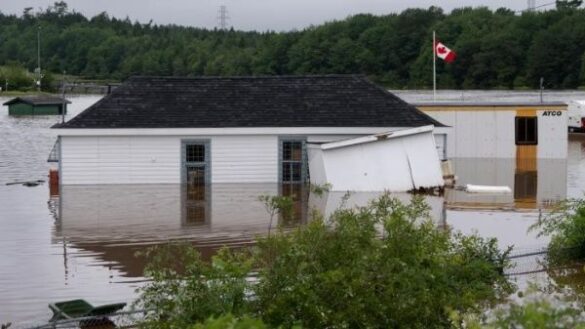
536,184
112,222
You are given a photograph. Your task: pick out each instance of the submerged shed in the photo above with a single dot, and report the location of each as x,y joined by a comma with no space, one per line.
395,161
37,105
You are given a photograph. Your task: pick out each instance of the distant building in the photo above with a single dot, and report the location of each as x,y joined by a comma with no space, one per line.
502,130
224,129
523,145
37,105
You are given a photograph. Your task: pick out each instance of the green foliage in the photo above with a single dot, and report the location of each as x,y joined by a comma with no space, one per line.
16,76
384,265
536,311
568,4
496,49
230,322
319,190
566,226
352,274
185,290
277,205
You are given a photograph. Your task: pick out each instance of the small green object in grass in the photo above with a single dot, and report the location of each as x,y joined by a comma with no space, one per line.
80,308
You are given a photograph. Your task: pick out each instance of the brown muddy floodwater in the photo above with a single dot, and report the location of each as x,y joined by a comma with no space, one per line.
82,244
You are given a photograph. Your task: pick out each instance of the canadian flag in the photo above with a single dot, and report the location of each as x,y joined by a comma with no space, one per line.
444,53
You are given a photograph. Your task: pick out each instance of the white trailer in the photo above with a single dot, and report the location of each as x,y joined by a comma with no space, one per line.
577,116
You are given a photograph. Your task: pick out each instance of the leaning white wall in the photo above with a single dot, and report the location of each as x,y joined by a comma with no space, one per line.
157,159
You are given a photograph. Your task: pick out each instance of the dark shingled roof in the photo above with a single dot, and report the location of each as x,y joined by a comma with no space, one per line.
38,100
263,101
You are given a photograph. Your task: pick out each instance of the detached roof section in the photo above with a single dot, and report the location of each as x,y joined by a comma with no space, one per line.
263,101
38,100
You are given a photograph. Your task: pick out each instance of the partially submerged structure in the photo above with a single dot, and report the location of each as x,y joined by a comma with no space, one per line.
501,130
522,145
403,160
37,105
225,130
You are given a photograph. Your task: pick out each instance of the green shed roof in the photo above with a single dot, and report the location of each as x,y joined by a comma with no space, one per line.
38,100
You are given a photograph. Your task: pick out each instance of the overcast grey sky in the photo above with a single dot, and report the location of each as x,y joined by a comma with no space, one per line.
251,14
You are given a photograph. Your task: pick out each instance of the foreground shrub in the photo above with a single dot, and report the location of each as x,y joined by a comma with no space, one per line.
566,227
385,265
535,311
185,290
230,322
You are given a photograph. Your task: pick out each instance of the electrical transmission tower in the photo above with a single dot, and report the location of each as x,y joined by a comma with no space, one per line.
222,17
531,5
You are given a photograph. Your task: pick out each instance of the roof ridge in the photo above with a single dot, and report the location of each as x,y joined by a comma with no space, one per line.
238,77
332,100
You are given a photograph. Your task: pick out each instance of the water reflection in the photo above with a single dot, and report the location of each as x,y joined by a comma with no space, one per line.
115,221
533,188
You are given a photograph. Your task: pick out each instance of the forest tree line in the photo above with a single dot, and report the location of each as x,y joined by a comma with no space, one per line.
495,49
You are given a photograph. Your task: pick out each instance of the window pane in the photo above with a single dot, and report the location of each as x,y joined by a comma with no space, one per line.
195,153
531,130
292,161
286,151
297,151
296,171
526,130
196,175
286,172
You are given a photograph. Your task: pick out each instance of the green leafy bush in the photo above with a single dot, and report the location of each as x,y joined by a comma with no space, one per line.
384,265
566,227
534,311
185,290
231,322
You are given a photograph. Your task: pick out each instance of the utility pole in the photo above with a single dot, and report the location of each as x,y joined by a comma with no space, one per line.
531,5
541,87
39,73
222,17
64,103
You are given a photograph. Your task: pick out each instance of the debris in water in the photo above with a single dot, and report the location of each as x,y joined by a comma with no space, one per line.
28,183
487,189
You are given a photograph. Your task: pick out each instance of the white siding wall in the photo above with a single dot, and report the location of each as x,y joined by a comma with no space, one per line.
552,135
157,159
491,134
244,159
120,160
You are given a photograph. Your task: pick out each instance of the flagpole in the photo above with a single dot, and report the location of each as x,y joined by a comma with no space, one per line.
434,68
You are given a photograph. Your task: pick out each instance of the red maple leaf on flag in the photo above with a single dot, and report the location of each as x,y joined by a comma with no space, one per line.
444,53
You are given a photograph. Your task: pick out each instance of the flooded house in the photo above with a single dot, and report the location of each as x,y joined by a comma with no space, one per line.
37,105
522,145
170,130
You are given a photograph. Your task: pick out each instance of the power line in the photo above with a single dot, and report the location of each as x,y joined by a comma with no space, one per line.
222,17
532,6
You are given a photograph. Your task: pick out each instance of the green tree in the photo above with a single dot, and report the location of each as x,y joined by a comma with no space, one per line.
568,4
384,265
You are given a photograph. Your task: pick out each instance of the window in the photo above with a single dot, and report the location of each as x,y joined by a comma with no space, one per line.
195,162
526,131
195,153
293,161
